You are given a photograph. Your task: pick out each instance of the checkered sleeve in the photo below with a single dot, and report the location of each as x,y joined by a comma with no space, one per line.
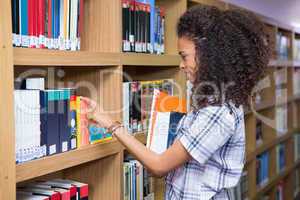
210,130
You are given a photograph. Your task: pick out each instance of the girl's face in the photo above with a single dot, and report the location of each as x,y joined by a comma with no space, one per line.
187,51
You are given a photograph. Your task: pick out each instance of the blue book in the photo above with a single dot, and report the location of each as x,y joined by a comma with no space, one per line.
57,22
53,144
175,117
24,23
44,119
152,24
64,126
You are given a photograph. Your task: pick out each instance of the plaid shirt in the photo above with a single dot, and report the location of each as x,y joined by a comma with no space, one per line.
216,141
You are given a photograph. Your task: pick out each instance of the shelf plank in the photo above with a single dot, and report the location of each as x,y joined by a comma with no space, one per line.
141,136
270,104
275,180
266,146
139,59
50,164
45,57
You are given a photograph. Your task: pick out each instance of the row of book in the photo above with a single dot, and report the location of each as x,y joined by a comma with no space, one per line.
281,121
137,100
280,157
138,185
279,193
56,189
296,146
143,26
296,81
262,169
51,121
297,49
281,80
52,24
283,45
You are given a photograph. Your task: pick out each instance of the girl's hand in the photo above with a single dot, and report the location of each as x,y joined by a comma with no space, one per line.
95,116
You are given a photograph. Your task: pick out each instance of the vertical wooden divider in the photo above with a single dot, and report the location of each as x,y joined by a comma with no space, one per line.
7,136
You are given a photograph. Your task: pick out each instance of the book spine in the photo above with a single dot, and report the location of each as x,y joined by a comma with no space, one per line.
24,23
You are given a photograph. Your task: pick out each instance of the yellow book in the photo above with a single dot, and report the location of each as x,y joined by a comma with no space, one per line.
78,121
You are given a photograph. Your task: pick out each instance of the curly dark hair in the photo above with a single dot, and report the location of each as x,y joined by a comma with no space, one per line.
231,51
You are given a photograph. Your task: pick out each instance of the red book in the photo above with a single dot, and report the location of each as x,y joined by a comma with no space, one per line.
35,22
31,23
28,195
67,186
41,23
82,188
50,18
36,191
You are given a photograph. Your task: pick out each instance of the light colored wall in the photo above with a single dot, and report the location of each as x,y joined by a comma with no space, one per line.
287,11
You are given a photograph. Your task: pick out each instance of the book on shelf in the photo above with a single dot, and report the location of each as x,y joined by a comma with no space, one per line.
166,112
137,99
279,191
283,44
280,157
281,115
57,189
51,121
143,27
280,76
52,24
262,169
296,146
137,181
296,183
297,49
296,81
259,133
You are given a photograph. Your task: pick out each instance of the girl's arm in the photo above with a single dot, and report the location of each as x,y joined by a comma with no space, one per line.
158,164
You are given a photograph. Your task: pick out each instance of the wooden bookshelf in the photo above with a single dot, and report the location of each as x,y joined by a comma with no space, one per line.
50,164
149,60
141,136
101,165
44,57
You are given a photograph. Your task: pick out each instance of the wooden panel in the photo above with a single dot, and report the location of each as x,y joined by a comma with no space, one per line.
288,190
267,145
250,127
43,57
149,60
289,152
7,136
102,26
251,169
101,84
61,161
174,9
103,176
159,188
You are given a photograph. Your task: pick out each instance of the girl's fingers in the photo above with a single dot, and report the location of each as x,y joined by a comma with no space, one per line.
90,103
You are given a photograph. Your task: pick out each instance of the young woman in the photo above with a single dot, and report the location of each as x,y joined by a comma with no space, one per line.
224,54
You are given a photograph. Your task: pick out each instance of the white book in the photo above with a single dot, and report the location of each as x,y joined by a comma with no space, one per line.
74,24
35,83
126,91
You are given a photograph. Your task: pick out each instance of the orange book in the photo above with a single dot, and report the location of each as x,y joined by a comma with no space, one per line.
162,102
